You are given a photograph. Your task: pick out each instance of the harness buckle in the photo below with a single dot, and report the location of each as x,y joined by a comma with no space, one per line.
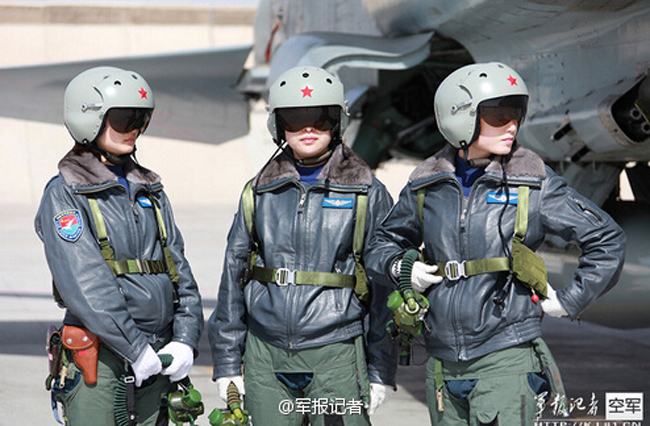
283,276
455,270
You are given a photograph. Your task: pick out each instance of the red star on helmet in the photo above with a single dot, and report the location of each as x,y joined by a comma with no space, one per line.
512,80
306,91
143,93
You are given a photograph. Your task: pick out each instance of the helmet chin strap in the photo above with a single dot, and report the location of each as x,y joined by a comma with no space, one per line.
336,141
479,162
314,160
116,160
311,161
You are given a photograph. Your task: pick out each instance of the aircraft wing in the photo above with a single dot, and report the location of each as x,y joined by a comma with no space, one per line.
194,94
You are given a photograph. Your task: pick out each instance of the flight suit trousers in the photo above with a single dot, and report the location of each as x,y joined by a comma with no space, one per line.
332,397
496,389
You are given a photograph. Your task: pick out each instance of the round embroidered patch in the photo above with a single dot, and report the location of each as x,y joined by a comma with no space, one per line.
69,225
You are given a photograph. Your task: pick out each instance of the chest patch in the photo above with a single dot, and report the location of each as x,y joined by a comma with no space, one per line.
145,202
500,198
69,225
338,203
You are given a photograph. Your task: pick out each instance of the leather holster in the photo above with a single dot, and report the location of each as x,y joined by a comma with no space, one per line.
84,346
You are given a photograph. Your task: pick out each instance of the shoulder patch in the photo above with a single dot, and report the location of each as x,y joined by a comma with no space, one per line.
69,225
338,203
145,202
500,198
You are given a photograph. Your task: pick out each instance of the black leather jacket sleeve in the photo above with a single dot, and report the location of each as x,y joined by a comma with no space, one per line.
568,214
227,324
382,351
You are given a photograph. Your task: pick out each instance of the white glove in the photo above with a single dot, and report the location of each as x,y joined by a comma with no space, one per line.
551,305
422,276
224,382
183,360
379,393
147,365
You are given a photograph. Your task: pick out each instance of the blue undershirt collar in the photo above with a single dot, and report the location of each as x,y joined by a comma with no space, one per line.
119,172
467,175
309,175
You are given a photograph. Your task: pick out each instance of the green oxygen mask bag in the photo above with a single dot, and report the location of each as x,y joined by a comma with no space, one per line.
409,309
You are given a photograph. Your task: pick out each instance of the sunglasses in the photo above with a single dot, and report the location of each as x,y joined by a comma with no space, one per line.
125,120
501,111
321,118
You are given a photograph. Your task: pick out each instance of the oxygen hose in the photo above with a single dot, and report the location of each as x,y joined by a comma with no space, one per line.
125,415
234,403
405,286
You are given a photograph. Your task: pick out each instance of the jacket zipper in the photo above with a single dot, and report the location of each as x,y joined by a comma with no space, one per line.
462,250
584,208
292,293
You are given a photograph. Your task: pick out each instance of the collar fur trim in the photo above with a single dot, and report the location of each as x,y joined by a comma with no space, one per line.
82,168
341,169
524,163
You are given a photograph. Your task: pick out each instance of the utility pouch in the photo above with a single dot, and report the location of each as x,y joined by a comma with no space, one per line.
84,346
362,286
529,268
54,348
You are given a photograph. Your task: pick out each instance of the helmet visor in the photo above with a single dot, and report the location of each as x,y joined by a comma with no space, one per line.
321,118
125,120
501,111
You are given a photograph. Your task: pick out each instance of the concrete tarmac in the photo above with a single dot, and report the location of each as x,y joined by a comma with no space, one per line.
594,360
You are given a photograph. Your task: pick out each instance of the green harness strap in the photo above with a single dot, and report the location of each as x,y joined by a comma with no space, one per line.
134,266
362,285
284,276
162,232
527,266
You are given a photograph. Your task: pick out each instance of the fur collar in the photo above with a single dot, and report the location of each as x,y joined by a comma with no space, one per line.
524,163
341,169
80,167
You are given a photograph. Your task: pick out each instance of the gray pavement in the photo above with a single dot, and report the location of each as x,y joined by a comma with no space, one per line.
593,359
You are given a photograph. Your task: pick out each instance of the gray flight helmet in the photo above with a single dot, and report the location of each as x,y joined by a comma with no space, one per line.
306,86
459,95
93,92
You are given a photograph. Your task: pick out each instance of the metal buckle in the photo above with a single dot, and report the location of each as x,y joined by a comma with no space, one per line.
455,270
283,276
